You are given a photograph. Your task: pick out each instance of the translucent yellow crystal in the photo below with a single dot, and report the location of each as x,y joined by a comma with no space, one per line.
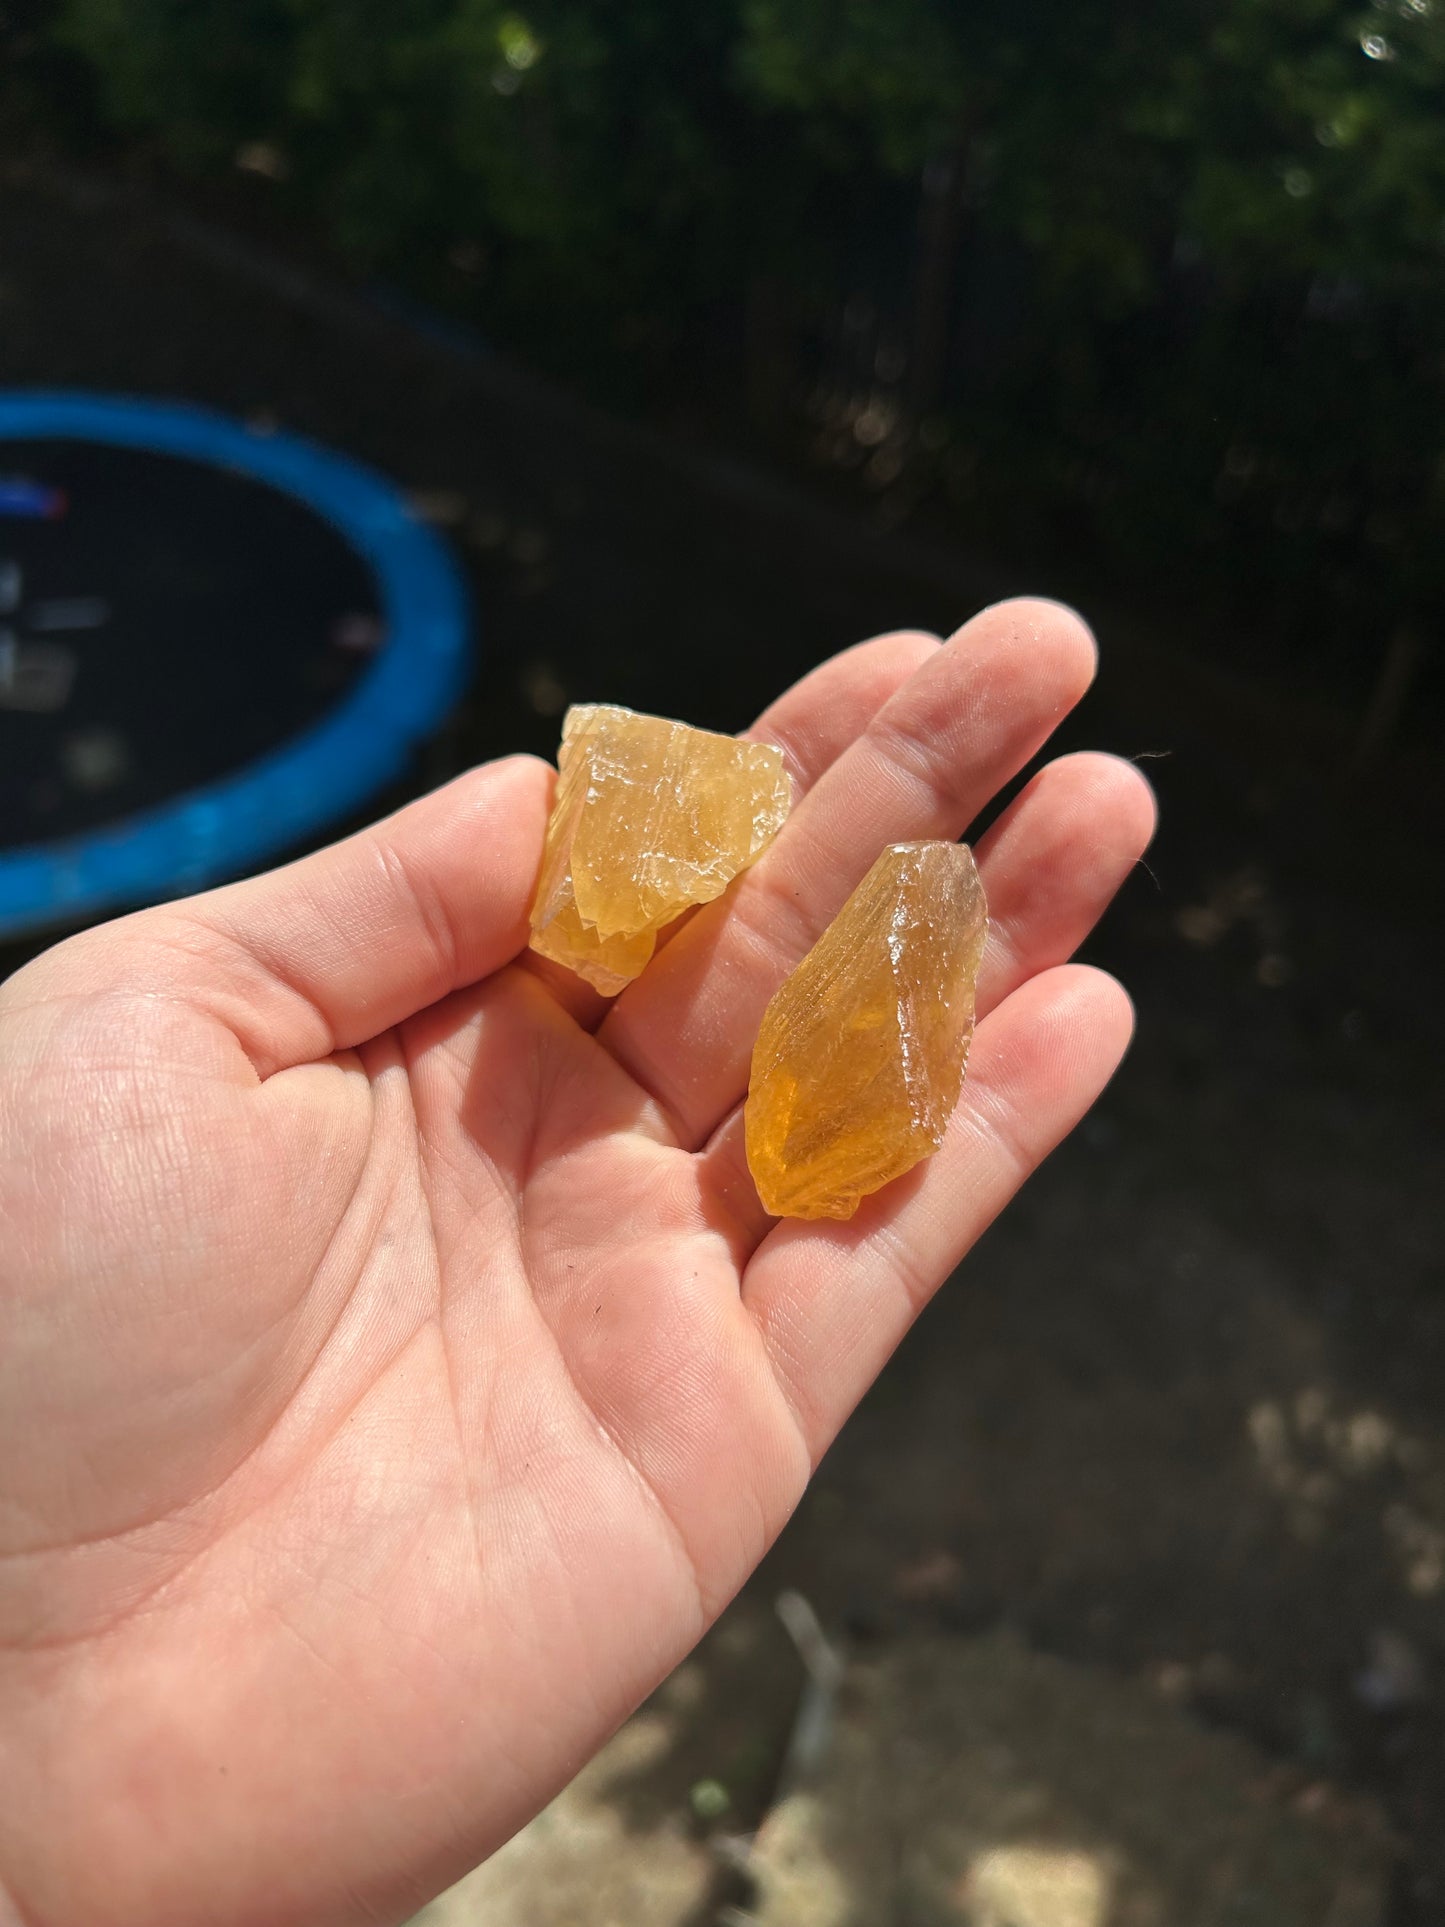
650,817
860,1057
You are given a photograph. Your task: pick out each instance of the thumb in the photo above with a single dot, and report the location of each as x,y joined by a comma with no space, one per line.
335,948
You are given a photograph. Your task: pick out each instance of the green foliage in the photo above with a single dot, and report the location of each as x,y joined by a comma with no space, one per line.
1297,132
1213,228
892,79
554,125
198,72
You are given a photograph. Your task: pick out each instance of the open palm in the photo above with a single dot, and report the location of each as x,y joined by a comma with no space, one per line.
397,1371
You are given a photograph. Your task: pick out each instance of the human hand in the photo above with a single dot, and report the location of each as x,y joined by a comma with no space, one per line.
397,1372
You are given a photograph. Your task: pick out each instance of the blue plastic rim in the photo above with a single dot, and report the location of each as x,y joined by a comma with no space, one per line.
282,798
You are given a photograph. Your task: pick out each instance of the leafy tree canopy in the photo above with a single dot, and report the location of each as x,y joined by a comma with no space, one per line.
1200,241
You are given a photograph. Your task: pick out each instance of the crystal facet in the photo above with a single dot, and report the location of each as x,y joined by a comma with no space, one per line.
860,1058
650,817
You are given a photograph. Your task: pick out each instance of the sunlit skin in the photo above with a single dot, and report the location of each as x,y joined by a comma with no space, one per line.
397,1371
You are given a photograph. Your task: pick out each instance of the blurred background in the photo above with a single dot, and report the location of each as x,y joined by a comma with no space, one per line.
709,339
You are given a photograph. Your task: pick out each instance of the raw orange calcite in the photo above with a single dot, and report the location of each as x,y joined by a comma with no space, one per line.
860,1058
650,817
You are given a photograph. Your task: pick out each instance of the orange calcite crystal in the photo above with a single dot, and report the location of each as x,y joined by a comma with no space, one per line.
860,1058
650,817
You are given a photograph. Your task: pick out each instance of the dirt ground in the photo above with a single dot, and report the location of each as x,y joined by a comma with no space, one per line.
1180,1420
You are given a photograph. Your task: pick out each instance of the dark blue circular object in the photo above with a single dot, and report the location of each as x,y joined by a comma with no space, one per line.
308,779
